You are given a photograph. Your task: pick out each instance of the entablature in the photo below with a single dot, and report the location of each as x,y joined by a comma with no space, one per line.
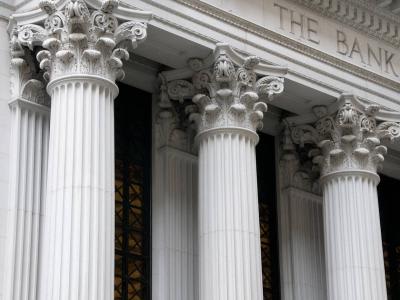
253,31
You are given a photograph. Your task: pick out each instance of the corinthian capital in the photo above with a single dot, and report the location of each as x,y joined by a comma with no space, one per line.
349,138
231,95
26,82
80,39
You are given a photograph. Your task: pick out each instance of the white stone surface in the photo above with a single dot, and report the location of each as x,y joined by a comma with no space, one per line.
229,111
301,239
5,121
229,244
28,168
353,242
77,253
174,226
82,56
350,154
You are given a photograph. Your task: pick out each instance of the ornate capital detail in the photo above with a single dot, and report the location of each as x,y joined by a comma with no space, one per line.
230,95
227,89
172,127
349,139
26,82
296,167
82,40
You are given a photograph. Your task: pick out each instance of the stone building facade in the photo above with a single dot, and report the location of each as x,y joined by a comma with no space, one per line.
199,149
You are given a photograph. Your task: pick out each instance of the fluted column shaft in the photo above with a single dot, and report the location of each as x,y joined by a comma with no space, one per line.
349,156
82,52
78,260
28,168
229,110
229,244
353,243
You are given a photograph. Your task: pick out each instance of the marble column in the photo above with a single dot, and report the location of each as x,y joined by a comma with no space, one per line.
30,119
351,154
229,230
82,60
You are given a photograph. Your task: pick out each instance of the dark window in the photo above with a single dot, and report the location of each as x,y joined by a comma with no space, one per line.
389,207
266,174
132,194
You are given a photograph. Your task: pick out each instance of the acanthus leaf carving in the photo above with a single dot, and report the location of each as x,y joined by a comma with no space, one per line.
171,125
226,90
82,40
229,95
26,82
349,139
298,167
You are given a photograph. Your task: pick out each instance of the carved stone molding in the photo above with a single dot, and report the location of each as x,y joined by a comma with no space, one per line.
79,39
172,126
287,42
367,18
26,83
233,97
296,168
348,138
227,89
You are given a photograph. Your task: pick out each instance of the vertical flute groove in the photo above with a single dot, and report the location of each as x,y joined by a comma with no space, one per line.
353,241
29,123
80,194
174,228
230,251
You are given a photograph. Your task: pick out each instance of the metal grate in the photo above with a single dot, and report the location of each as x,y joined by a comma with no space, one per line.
132,194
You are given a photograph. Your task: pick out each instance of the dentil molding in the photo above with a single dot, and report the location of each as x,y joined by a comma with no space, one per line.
363,16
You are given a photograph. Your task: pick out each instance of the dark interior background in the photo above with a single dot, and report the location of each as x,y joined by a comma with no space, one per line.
389,209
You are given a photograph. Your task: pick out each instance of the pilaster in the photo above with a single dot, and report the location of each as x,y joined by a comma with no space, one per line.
301,238
349,138
30,120
5,129
175,200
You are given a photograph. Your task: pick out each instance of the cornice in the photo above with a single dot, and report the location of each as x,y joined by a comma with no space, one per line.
37,15
364,17
289,43
6,10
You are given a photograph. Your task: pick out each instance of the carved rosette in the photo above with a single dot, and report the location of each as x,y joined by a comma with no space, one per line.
81,40
231,96
348,140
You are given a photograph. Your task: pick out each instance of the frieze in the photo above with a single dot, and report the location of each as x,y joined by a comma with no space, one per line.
367,18
333,58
